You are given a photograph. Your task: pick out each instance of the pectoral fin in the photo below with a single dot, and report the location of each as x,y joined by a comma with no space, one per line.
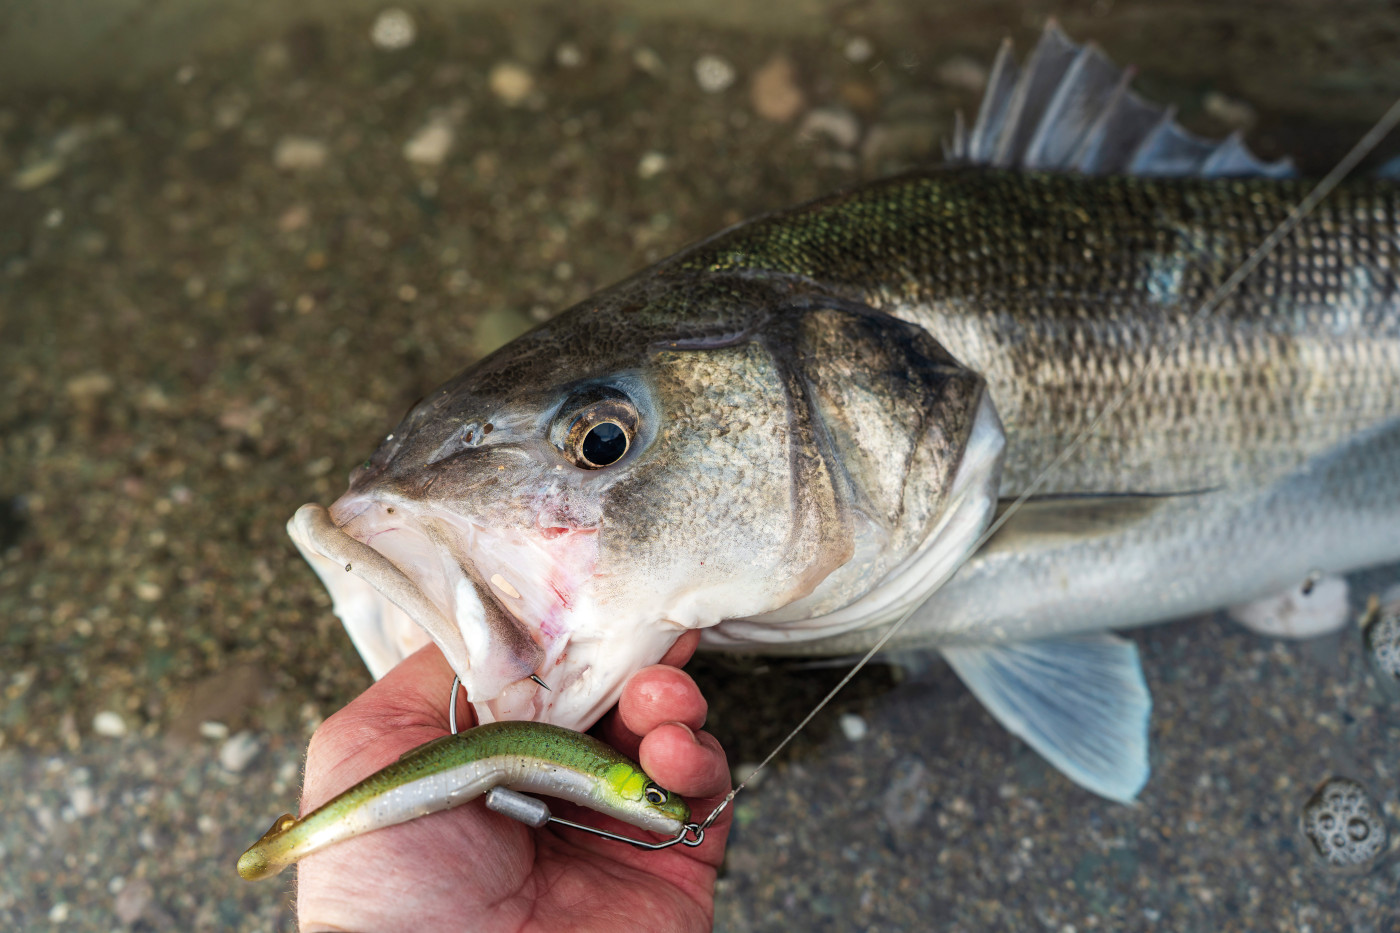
1079,701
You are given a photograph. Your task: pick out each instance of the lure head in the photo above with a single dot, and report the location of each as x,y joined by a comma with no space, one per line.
642,802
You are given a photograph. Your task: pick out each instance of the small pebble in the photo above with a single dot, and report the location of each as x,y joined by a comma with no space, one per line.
511,83
835,124
713,74
132,900
568,55
109,724
294,218
58,912
83,800
37,174
239,751
299,154
393,29
1343,824
774,91
429,146
743,769
1315,607
1236,114
651,164
964,72
213,730
647,60
858,49
89,386
853,726
149,592
907,795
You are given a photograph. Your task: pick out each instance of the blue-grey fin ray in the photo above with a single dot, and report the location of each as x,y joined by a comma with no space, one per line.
1070,110
991,116
1080,701
1046,69
1389,169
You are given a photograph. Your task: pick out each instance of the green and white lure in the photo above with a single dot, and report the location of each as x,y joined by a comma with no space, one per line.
493,759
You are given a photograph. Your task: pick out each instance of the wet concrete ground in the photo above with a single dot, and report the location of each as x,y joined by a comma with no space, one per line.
219,285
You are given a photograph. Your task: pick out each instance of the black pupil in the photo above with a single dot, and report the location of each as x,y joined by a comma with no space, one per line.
604,443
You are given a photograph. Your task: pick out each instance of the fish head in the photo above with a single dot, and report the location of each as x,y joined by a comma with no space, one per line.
649,462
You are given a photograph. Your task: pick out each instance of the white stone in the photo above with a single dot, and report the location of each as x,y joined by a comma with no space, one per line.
651,164
213,730
1315,607
568,55
299,154
83,800
853,727
511,83
858,49
239,751
393,29
713,73
430,145
832,123
109,723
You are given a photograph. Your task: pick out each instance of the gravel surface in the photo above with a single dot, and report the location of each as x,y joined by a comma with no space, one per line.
219,284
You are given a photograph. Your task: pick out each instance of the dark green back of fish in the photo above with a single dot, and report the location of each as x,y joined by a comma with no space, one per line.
1060,288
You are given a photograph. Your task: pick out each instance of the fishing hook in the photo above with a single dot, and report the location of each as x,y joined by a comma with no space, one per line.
452,705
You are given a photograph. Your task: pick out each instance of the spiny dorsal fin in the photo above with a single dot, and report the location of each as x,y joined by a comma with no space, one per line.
1070,110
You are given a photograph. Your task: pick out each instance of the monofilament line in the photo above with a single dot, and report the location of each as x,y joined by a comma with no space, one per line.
1302,209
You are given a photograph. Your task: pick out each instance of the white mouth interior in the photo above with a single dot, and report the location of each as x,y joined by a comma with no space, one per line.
501,605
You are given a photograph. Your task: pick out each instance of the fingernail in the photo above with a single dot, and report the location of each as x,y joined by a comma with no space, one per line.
688,730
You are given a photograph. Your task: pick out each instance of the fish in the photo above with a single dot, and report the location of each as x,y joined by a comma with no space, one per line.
796,433
455,769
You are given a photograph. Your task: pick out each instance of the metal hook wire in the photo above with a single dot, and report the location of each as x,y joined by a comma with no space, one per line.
691,834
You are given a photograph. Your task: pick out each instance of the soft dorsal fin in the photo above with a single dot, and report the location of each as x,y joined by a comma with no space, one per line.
1070,110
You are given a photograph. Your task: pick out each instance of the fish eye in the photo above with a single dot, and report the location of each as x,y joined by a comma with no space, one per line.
654,795
597,429
604,444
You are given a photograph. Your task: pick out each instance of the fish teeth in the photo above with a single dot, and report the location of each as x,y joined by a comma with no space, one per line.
502,584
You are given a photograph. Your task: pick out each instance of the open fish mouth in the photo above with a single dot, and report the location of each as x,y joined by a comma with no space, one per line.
501,604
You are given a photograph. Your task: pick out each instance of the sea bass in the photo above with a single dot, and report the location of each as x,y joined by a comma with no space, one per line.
794,433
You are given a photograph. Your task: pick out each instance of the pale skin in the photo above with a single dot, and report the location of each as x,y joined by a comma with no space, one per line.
471,868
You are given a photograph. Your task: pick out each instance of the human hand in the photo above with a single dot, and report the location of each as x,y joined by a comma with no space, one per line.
469,868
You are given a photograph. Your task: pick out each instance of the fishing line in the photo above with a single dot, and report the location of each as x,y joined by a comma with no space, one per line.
1343,168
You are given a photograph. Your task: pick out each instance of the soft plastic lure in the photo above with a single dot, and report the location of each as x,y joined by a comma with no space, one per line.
448,772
